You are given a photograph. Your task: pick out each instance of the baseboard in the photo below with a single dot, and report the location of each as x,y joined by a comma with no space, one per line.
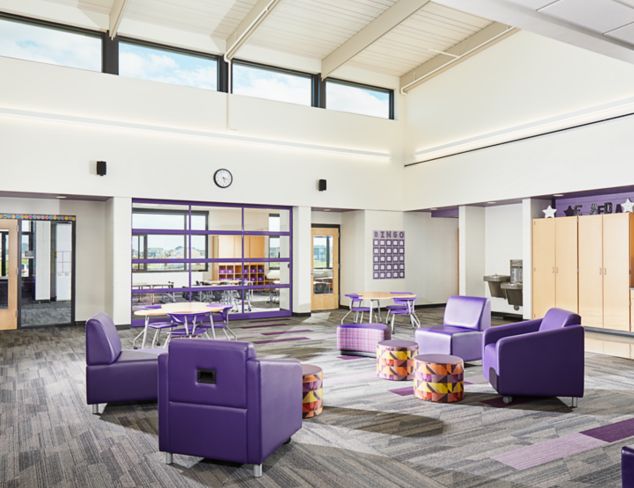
430,305
611,332
302,314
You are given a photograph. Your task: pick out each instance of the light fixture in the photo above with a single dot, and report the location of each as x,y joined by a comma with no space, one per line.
491,203
326,210
558,195
61,197
433,208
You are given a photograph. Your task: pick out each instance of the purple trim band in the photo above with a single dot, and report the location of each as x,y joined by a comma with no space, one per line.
186,203
241,261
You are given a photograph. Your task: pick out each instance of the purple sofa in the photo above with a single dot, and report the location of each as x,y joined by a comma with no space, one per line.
465,320
114,374
217,401
543,357
627,467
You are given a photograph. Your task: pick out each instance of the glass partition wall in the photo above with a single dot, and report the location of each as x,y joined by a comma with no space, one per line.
239,255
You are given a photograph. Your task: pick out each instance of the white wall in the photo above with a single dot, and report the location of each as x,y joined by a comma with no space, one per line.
302,255
328,218
520,81
471,250
503,241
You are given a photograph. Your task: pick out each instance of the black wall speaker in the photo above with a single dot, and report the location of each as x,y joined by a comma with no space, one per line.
321,185
101,168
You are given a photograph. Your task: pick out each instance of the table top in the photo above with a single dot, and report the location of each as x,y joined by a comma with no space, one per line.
182,308
383,295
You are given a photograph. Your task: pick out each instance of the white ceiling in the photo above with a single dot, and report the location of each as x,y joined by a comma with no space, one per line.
308,30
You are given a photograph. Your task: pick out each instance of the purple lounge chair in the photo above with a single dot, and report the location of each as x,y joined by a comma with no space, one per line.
114,374
627,467
543,357
217,401
465,320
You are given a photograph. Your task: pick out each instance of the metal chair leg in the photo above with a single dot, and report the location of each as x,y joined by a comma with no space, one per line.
95,409
344,317
169,458
574,403
257,470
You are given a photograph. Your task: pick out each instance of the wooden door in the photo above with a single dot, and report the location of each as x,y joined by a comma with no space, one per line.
616,271
566,265
9,274
543,266
591,270
325,268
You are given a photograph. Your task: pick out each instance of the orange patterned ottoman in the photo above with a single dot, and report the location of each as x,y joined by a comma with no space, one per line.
313,383
395,359
439,378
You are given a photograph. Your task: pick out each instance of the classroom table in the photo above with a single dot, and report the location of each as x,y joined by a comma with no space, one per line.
376,296
187,309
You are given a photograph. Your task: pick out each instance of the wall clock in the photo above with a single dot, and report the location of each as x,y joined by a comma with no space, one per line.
223,178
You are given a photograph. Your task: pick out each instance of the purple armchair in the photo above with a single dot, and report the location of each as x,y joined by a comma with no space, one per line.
543,357
466,318
627,467
217,401
114,374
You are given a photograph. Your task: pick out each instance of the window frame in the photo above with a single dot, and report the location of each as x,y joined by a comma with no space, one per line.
354,84
173,49
314,102
64,28
142,239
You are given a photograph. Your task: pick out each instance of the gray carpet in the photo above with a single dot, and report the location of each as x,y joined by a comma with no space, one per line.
367,436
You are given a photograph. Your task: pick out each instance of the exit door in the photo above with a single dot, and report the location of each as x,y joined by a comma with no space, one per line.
325,268
8,274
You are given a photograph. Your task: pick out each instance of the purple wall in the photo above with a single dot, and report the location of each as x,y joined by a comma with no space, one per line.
593,204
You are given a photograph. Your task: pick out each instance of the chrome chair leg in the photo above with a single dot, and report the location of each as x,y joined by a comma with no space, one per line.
574,402
95,409
169,458
257,470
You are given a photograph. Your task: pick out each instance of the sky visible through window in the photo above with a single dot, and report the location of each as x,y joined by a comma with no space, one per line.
148,63
359,100
47,45
274,85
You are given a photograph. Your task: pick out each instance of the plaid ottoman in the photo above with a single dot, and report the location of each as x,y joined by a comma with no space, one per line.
361,339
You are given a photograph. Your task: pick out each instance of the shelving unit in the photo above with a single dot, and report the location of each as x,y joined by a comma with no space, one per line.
252,272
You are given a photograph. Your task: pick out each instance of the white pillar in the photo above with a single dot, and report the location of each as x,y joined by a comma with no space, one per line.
119,253
531,208
471,250
302,280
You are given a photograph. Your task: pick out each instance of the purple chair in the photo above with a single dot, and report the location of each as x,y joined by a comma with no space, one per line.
627,467
114,374
220,321
543,357
355,306
217,401
466,318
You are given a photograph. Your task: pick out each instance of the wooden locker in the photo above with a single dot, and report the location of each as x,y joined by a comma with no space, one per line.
566,265
616,271
591,270
543,266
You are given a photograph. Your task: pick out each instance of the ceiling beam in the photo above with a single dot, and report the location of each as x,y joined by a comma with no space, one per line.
455,54
248,26
371,33
116,14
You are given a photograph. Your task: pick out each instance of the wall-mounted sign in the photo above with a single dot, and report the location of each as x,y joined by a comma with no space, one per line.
388,257
595,204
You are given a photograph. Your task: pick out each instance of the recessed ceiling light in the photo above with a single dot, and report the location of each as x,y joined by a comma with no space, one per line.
491,203
433,208
61,197
558,195
326,210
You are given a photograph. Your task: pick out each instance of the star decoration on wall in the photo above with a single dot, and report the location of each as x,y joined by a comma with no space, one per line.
628,206
549,212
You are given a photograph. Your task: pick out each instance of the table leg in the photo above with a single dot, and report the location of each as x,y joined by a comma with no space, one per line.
371,307
213,327
147,323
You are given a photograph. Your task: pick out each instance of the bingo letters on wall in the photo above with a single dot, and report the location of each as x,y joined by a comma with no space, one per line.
388,257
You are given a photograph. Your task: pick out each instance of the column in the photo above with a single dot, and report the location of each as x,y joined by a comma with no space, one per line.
302,280
471,250
118,256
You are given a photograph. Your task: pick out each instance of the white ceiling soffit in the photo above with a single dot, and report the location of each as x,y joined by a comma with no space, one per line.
371,33
576,22
247,26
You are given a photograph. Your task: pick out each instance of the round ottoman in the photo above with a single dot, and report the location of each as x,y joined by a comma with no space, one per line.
361,339
395,359
313,381
439,378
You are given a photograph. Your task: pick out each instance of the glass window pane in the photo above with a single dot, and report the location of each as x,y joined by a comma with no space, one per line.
4,278
357,99
165,247
199,221
151,63
223,218
48,45
275,85
156,220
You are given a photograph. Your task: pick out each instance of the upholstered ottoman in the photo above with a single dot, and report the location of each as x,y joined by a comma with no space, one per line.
313,396
395,359
439,378
361,339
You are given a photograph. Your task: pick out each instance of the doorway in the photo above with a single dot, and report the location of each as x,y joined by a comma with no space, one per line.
8,274
325,268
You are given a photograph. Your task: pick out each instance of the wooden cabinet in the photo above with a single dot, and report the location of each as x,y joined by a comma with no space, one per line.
554,264
605,261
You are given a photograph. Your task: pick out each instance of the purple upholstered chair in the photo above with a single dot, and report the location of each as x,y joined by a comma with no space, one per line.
217,401
466,318
114,374
543,357
627,467
356,307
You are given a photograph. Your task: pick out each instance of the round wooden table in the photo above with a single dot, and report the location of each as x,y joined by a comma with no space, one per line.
187,309
377,296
